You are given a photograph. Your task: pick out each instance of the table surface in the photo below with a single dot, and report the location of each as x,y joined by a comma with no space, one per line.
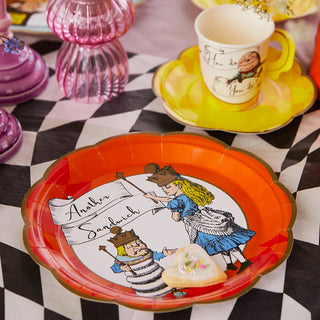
53,125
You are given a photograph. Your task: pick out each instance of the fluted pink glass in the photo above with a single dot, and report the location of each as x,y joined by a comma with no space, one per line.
90,21
92,66
92,74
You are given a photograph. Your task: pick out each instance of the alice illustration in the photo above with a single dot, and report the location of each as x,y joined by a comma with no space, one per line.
249,66
214,230
137,262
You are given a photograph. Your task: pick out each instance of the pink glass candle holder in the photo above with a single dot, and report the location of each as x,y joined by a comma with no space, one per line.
92,74
92,66
23,74
10,135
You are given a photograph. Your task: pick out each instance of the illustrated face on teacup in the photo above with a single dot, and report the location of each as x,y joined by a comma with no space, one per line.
249,66
249,62
239,71
233,46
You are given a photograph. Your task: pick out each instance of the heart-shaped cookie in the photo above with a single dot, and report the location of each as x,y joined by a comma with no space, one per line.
194,268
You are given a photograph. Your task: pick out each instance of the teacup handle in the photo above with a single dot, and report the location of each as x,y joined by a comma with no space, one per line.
285,60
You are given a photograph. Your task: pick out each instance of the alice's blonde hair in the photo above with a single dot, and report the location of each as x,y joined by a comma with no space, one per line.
196,192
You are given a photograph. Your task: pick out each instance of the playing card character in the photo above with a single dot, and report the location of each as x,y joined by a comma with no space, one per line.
137,262
214,230
249,66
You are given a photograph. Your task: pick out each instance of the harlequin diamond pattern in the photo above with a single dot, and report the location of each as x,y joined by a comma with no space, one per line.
34,288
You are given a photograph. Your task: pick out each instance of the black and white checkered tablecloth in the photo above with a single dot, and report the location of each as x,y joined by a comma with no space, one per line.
53,125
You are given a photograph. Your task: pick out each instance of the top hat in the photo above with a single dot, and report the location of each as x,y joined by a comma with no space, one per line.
161,176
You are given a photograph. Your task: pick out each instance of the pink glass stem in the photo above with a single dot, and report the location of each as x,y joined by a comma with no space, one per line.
92,74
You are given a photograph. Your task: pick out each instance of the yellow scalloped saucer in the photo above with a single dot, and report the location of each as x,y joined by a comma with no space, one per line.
187,100
300,7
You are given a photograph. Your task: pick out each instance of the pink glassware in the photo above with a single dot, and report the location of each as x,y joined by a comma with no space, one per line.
90,21
92,74
23,75
92,66
10,135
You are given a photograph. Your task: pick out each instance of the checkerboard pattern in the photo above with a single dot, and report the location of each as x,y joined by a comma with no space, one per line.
27,291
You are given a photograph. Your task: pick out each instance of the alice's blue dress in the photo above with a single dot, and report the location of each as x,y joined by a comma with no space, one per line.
213,244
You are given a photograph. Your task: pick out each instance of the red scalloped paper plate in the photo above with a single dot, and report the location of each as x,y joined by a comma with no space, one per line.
69,213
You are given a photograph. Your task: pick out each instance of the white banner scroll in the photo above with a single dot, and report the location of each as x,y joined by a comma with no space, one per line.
92,215
69,210
119,215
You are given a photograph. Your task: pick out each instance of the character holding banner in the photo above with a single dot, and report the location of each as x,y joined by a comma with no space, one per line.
214,230
183,196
